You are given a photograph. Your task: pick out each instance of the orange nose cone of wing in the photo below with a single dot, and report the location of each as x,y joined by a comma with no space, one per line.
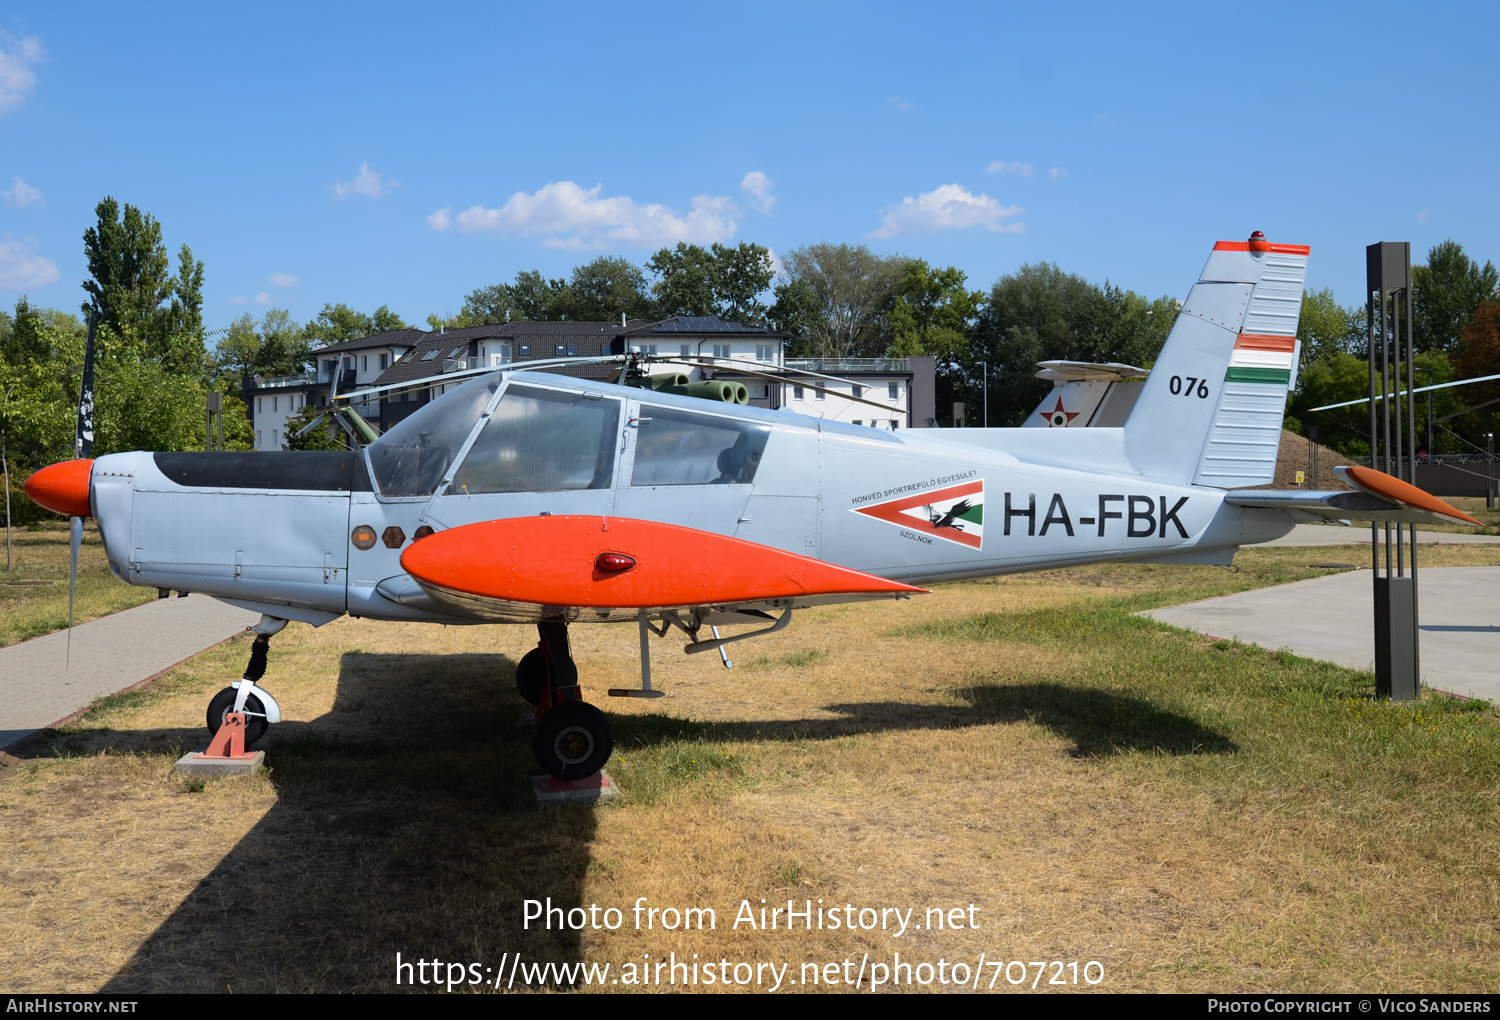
63,488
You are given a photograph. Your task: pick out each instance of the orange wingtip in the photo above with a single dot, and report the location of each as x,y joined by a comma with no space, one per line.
62,488
1392,487
554,561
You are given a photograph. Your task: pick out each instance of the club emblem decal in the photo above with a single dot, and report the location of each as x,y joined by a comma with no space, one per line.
955,513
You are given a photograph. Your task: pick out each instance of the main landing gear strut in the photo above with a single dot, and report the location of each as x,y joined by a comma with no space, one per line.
573,739
256,703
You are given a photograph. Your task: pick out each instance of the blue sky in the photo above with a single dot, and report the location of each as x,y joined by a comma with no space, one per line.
404,155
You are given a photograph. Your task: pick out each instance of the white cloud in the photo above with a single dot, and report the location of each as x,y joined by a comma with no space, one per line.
1422,215
367,182
949,207
263,298
1001,167
20,269
575,218
759,187
16,78
1057,173
22,194
901,105
283,280
239,299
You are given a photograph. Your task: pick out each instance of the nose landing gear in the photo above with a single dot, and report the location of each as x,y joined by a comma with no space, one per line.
573,739
255,703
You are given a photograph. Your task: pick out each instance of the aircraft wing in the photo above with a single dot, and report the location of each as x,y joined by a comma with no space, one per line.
1377,497
589,568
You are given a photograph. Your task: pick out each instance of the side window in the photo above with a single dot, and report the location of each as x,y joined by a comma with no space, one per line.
541,440
410,459
682,448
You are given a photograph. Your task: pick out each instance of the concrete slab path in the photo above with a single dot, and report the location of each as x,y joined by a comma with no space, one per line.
1332,618
109,654
1335,534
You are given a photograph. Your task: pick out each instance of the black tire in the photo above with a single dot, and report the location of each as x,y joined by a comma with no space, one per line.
531,676
223,703
573,740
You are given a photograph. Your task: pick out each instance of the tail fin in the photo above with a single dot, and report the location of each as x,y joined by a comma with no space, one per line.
1211,410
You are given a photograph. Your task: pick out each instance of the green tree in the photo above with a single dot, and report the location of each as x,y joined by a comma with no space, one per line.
535,298
239,348
853,287
325,437
1327,328
685,282
1447,291
932,313
798,312
129,270
601,290
284,346
338,322
1040,313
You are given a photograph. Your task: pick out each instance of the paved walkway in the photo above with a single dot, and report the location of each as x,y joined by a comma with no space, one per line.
1332,618
1336,534
109,654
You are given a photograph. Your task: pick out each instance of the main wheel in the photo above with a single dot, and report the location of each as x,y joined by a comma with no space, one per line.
223,704
531,676
573,740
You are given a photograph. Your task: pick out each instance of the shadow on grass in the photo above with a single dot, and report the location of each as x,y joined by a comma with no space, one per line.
1097,722
404,823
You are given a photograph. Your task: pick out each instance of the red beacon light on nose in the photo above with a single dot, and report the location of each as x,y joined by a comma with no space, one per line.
1258,242
613,563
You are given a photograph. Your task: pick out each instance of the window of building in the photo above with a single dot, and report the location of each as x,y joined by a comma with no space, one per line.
891,391
275,403
430,355
675,447
684,350
859,390
859,421
796,392
457,352
765,352
541,440
525,350
721,350
258,407
257,437
364,362
649,349
821,394
895,424
275,440
385,362
566,350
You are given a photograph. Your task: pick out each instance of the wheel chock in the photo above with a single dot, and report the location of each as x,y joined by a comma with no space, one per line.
225,755
229,742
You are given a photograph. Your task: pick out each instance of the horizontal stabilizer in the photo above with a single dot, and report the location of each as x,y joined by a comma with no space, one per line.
1379,497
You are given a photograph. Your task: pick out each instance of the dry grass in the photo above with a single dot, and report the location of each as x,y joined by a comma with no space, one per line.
34,593
1193,815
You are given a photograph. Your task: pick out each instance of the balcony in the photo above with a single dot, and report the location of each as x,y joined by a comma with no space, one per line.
277,382
860,365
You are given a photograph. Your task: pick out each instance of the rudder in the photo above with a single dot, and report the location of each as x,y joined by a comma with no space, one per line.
1211,410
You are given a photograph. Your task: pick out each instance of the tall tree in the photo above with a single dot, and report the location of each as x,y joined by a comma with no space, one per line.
538,299
741,275
1448,290
854,288
129,271
685,282
932,313
1327,328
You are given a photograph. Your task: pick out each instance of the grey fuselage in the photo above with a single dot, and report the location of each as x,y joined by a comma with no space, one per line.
272,532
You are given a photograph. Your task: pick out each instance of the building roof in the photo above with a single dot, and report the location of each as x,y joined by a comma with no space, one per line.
390,338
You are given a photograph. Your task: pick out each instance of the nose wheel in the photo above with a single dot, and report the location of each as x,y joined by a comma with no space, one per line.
573,739
255,703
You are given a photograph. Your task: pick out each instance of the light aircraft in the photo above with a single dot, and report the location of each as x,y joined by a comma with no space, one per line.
528,497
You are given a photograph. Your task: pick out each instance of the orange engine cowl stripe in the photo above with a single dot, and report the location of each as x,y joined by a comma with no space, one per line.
1261,342
63,487
551,561
1392,487
1281,249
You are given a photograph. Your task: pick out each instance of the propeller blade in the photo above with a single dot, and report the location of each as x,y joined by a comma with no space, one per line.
75,540
83,448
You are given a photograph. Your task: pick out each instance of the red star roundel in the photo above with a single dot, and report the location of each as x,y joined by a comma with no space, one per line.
1057,418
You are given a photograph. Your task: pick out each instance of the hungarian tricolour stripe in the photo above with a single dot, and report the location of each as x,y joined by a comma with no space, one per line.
955,513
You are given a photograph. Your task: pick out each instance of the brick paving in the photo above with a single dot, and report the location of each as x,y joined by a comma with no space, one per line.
109,655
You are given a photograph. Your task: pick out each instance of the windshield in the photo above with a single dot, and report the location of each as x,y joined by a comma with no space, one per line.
411,458
540,440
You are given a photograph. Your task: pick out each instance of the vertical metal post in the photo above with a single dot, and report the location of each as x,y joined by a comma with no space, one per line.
1393,450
